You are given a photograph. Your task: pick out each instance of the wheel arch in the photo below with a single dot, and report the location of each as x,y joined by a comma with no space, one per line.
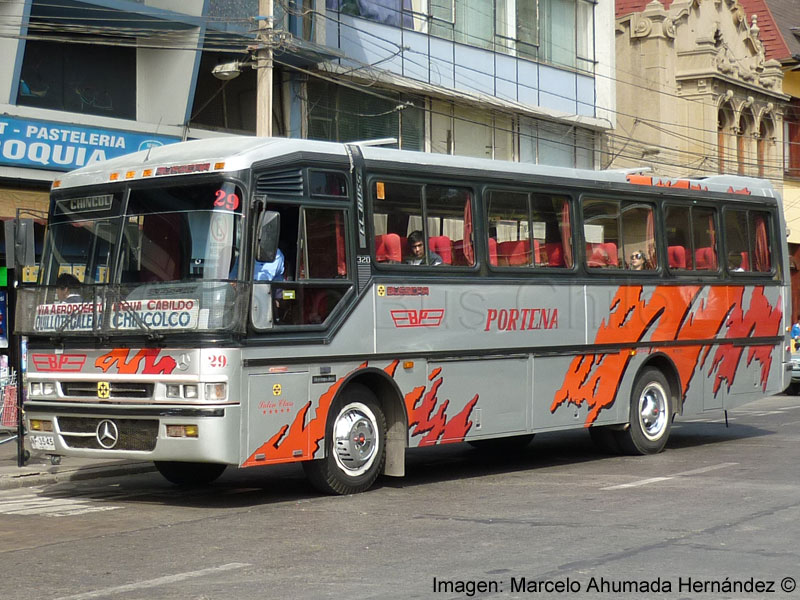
664,363
390,399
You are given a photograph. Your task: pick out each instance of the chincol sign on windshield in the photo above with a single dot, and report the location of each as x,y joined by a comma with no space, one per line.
63,147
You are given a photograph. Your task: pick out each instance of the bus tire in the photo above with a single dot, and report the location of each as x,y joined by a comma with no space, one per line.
605,439
355,444
793,389
189,473
650,415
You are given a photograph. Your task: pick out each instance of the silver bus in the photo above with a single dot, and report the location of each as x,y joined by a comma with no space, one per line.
251,301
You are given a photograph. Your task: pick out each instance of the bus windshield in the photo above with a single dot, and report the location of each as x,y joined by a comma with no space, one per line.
161,260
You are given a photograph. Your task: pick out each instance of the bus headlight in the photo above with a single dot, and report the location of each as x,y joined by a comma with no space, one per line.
190,391
35,389
48,388
173,391
216,391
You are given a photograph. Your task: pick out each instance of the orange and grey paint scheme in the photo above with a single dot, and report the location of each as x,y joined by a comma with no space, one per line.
684,323
674,314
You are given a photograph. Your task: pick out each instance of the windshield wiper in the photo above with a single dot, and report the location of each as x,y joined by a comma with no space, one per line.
126,307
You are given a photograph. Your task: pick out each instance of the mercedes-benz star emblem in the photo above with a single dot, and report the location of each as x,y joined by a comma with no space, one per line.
107,434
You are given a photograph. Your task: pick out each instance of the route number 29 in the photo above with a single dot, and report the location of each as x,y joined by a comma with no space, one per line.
226,200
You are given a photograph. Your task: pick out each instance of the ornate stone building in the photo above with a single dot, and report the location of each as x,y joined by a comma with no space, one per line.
696,94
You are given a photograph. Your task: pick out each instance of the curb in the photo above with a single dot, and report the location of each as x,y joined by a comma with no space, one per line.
29,476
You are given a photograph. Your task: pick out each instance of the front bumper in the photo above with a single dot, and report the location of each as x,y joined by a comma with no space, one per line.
136,432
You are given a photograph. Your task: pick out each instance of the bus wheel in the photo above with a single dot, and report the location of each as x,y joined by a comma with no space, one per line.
650,415
189,473
355,444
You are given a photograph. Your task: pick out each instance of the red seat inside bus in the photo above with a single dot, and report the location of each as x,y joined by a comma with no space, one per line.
555,254
443,247
676,256
705,259
388,248
493,252
459,256
515,253
602,255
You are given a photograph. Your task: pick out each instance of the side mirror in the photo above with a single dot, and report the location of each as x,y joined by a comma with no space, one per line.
20,243
269,232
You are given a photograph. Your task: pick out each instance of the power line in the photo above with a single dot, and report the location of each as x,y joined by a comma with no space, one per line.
423,66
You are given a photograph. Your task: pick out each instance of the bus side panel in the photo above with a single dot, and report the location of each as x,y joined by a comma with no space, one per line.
552,412
278,409
678,322
487,398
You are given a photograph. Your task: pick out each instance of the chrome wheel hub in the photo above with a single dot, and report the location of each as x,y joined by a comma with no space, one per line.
355,439
653,412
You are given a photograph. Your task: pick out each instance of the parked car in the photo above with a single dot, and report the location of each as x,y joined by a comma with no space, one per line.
794,387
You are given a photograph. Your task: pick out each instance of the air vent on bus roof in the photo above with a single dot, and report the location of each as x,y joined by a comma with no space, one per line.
281,183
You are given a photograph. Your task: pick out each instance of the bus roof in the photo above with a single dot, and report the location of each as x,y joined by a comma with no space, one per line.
234,153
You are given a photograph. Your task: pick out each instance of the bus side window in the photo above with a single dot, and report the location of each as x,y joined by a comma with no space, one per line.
316,274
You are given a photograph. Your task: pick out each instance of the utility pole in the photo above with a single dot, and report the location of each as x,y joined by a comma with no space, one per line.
264,70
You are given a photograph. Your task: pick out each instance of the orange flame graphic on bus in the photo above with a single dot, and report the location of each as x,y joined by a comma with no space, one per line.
146,358
300,439
429,417
674,313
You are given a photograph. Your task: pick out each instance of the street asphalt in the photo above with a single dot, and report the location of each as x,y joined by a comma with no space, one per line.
40,470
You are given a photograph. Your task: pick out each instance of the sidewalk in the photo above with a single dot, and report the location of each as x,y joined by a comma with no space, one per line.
40,471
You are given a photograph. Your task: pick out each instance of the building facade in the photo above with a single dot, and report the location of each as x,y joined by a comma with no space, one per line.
696,93
525,80
780,30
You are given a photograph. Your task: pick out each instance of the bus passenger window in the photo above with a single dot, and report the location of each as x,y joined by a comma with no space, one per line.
422,224
691,238
528,230
601,233
747,241
638,232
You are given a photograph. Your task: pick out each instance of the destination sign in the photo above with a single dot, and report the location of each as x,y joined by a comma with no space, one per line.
144,315
86,204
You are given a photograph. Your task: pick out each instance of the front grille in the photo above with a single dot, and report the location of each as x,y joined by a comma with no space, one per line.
119,390
134,434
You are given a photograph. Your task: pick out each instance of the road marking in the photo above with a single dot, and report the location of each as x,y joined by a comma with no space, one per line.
636,483
151,583
33,504
650,480
706,469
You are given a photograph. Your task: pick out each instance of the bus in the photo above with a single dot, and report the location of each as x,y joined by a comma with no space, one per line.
413,299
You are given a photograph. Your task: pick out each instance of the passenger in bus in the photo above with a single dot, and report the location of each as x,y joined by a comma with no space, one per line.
735,262
66,289
416,243
637,261
270,271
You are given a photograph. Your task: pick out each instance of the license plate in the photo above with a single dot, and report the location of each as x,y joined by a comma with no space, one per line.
42,442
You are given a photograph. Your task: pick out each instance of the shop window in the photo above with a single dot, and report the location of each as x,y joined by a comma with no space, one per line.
77,78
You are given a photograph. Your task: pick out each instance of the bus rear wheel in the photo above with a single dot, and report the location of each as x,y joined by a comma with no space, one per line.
355,445
650,415
189,473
